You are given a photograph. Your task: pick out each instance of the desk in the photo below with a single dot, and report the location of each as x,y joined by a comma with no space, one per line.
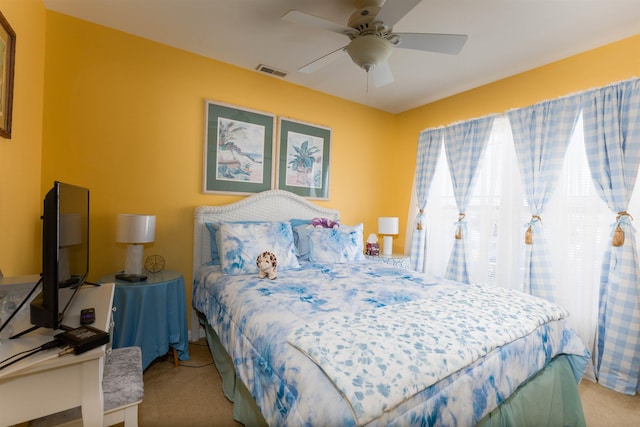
151,315
44,383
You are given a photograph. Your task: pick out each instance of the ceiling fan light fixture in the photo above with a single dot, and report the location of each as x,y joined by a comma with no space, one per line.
369,50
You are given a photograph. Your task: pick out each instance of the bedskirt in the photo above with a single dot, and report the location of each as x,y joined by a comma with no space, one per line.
549,398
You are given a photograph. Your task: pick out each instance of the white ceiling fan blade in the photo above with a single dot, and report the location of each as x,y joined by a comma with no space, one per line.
305,19
394,10
322,61
441,43
382,74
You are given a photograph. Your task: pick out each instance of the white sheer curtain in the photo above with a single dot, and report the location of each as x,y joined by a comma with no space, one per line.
576,220
440,209
495,209
500,207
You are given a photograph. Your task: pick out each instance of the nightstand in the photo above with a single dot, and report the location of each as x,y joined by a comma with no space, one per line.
398,260
151,315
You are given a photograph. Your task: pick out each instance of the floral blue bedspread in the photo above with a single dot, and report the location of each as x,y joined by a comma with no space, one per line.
379,358
479,343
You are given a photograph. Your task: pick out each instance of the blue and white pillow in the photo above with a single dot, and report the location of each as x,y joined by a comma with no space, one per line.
301,240
213,228
239,244
336,245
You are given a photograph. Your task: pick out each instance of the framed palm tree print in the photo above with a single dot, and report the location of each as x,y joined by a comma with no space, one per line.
304,158
238,149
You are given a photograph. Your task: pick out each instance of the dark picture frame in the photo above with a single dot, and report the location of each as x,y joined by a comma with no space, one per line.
7,66
238,149
304,158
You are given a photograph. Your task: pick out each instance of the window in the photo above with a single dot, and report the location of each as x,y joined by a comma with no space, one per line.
577,224
495,216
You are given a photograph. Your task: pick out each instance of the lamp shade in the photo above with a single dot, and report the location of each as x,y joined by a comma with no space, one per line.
136,228
388,225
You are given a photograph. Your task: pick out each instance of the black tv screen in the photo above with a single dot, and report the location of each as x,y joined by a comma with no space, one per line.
65,252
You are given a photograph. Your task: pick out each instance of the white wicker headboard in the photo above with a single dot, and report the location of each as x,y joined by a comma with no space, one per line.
271,205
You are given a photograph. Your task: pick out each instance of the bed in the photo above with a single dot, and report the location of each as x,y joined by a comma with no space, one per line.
339,340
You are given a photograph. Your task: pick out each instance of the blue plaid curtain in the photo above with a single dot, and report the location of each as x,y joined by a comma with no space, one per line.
612,141
429,146
541,135
464,144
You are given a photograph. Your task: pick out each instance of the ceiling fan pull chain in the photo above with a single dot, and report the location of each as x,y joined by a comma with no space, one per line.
367,81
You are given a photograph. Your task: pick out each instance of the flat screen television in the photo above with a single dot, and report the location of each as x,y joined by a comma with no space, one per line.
65,253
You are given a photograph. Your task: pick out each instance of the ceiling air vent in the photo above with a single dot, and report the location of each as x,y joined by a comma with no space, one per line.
271,70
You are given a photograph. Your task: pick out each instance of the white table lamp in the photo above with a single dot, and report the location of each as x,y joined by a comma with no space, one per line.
134,230
388,227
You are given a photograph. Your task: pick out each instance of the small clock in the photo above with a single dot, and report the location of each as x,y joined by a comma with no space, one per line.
154,264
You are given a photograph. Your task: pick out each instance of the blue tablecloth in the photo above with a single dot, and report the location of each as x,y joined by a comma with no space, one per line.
151,315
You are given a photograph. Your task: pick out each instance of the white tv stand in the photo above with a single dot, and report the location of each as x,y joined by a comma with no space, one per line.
44,383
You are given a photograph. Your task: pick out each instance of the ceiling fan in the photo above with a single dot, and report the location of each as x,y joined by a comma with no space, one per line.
370,30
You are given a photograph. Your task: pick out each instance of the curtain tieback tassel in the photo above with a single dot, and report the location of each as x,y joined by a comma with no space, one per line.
459,228
420,218
528,235
618,234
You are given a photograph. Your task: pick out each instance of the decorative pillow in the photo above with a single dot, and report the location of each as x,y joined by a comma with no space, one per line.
215,257
301,240
240,244
301,228
213,228
296,222
325,222
336,245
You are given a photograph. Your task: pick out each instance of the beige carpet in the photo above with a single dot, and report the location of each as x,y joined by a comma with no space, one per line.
604,407
191,395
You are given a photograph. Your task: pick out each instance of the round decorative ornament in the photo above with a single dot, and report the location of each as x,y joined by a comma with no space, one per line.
154,264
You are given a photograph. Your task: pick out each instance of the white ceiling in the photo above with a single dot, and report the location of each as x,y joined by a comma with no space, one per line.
506,37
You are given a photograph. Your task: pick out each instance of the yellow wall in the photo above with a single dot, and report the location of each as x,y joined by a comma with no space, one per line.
20,156
124,117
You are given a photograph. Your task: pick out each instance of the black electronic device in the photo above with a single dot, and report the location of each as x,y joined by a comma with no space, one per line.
87,316
83,339
65,254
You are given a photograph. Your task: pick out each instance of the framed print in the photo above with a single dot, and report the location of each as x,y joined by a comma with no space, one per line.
7,64
304,159
238,149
